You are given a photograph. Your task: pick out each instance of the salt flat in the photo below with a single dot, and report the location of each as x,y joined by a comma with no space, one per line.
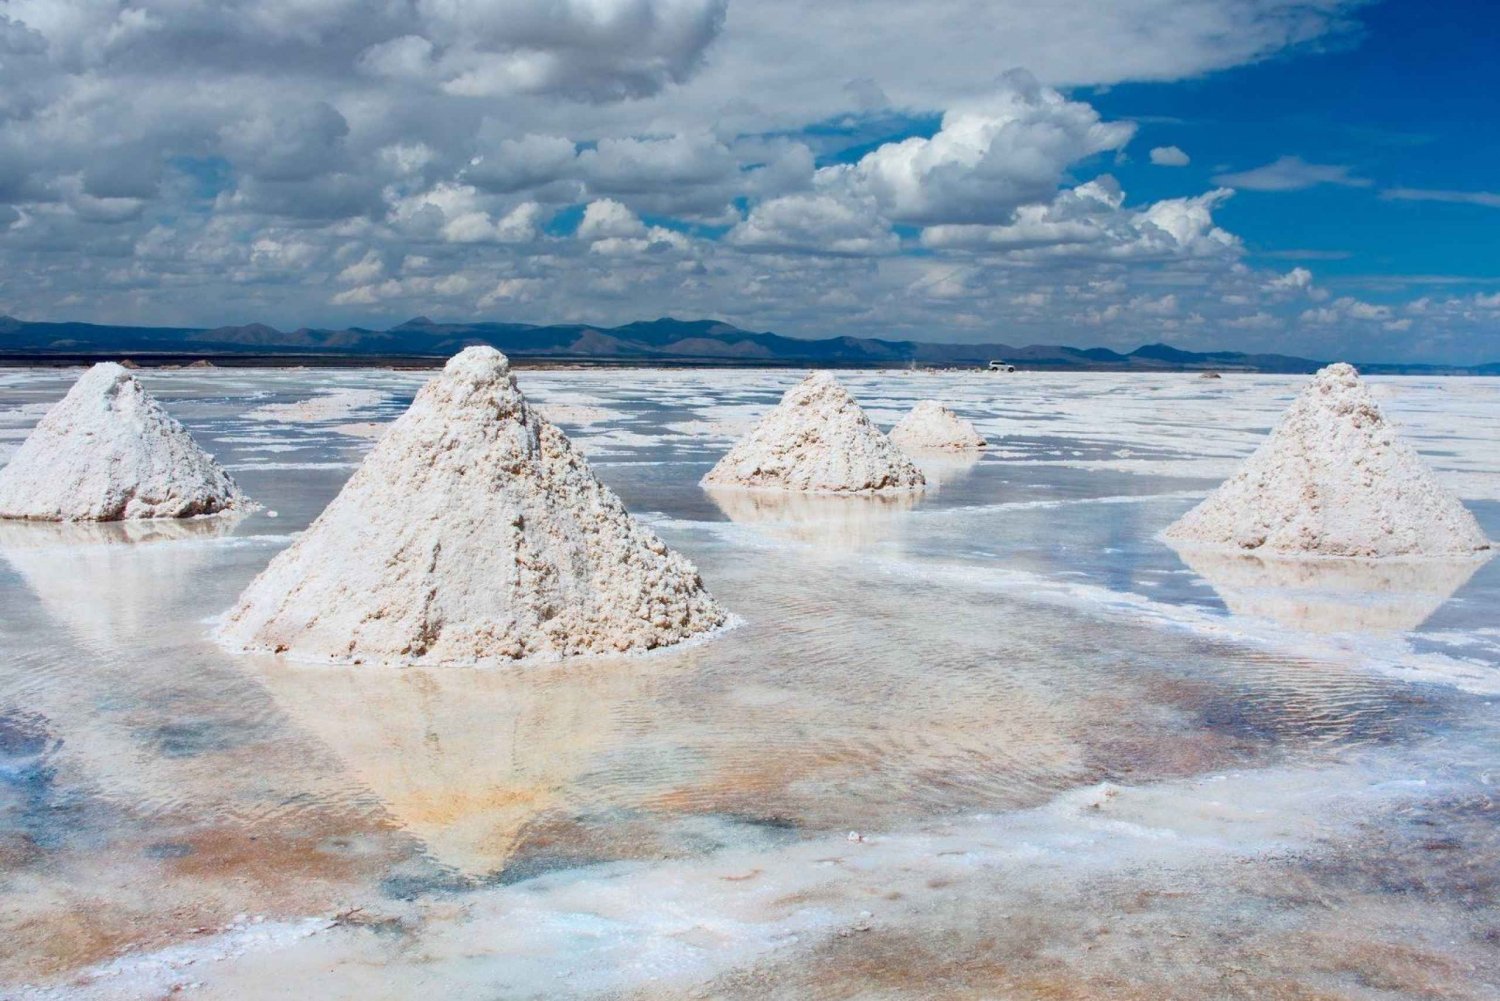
997,740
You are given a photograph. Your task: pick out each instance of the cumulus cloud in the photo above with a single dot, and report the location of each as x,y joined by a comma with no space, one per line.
1297,279
1291,173
1169,156
989,157
1346,308
587,49
607,218
1091,221
825,223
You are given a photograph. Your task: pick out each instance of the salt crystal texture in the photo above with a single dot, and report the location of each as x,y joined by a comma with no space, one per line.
930,425
1333,479
473,532
818,440
109,452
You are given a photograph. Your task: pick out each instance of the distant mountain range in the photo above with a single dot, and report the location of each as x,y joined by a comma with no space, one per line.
661,342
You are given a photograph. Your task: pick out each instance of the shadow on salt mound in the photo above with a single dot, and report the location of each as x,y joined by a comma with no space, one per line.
107,583
831,521
467,759
1333,595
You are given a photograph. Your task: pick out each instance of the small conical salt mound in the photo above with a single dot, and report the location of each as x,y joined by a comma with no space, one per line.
1333,479
819,440
109,452
473,532
930,425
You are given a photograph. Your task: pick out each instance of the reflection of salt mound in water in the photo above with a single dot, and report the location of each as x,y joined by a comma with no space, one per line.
818,440
472,532
109,582
1334,479
945,468
463,758
108,451
834,521
1332,596
930,425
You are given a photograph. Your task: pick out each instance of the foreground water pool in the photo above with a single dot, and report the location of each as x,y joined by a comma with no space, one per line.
995,742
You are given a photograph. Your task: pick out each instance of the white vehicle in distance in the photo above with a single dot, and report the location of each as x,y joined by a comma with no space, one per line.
1001,366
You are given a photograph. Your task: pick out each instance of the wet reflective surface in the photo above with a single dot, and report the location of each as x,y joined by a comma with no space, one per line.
1076,763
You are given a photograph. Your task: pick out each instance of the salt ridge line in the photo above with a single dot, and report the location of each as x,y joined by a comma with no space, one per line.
817,439
108,451
474,532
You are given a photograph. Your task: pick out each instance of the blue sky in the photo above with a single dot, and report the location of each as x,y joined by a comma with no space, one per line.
1306,176
1407,102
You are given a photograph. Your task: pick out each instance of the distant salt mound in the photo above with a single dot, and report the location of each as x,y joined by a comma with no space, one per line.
1333,479
818,440
109,452
474,532
930,425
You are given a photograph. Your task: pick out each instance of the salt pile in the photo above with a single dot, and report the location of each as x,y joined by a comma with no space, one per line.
473,532
930,425
818,440
108,451
1333,479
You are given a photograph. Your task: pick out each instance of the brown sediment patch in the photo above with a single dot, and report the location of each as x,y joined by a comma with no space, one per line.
83,933
761,787
557,835
200,880
1386,965
289,864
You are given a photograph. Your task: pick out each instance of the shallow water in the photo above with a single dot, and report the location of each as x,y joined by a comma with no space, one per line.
1074,762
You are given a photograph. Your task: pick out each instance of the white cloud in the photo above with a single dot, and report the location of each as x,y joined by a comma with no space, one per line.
1295,280
815,222
511,290
364,271
1489,199
584,49
990,156
1346,308
1291,173
607,218
1169,156
1090,221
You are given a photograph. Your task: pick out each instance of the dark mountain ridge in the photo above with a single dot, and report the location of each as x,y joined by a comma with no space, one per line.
663,341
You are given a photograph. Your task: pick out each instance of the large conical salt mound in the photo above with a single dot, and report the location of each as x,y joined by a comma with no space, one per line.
474,532
932,426
1333,479
819,440
109,452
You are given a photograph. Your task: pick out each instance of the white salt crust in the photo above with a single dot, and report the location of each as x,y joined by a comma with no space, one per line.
109,452
817,440
1334,479
474,532
930,425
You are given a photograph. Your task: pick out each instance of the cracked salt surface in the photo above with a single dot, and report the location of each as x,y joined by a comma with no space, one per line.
1078,767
